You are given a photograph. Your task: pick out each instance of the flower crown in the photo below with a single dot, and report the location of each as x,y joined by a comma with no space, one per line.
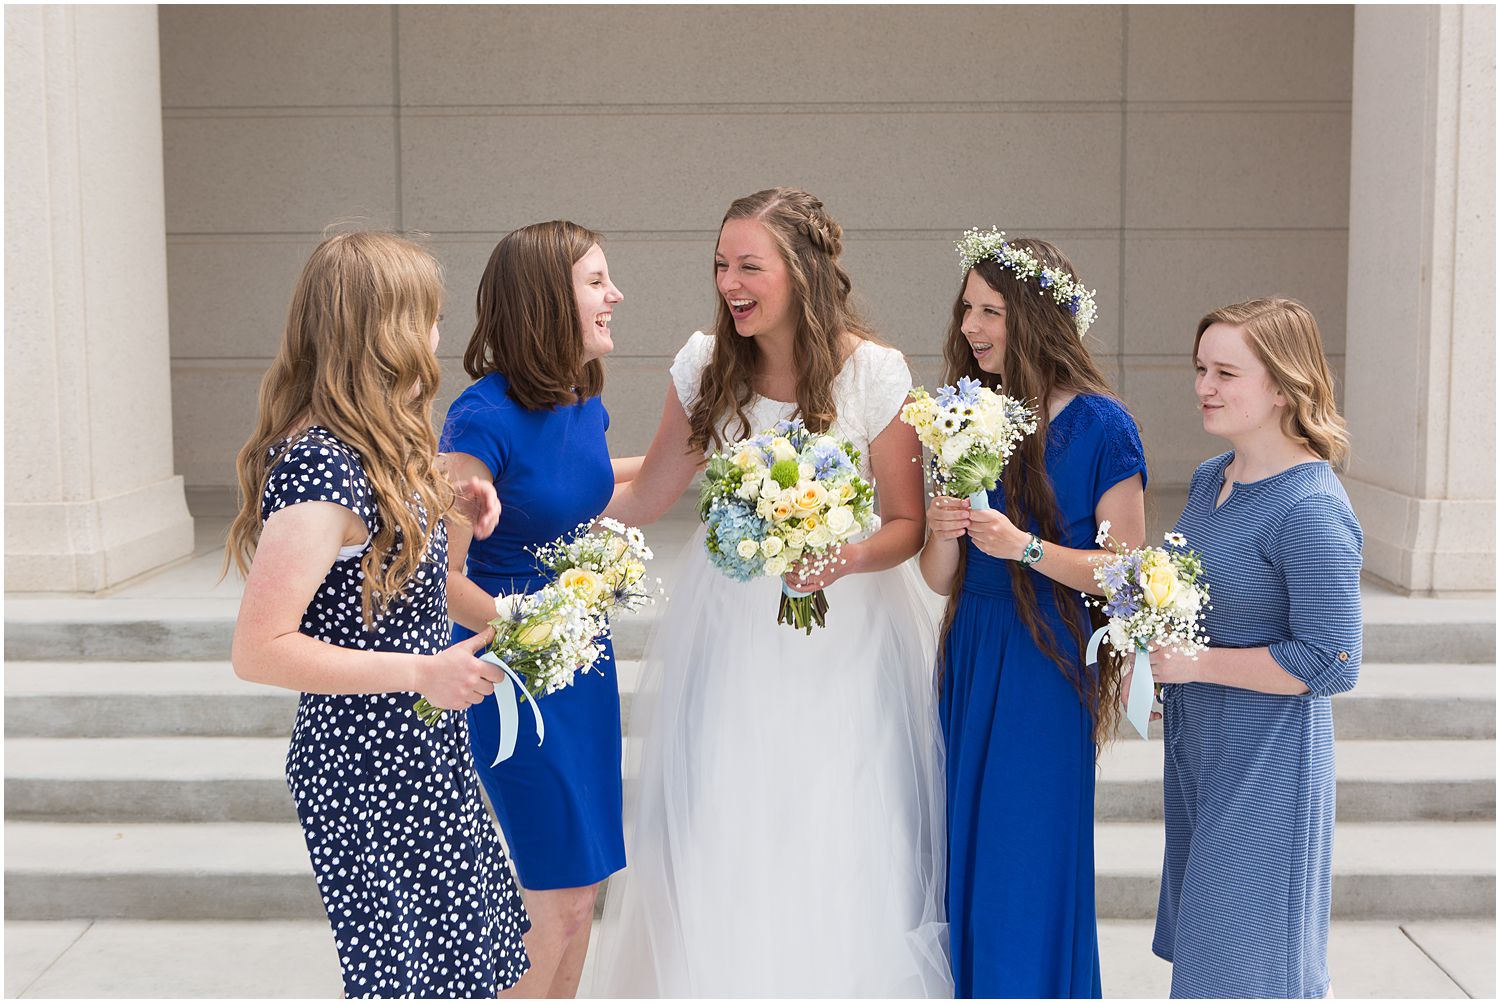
990,245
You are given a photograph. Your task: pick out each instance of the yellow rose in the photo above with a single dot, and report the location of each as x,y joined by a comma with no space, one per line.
811,522
537,635
782,449
634,570
615,548
582,582
746,459
810,497
1159,582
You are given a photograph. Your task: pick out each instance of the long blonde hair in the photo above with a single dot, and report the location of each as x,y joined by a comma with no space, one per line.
355,359
810,243
1284,336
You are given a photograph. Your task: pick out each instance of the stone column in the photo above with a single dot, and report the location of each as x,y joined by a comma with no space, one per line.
1420,370
90,494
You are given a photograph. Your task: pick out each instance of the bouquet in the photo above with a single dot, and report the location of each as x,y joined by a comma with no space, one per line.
1152,596
784,497
970,431
543,639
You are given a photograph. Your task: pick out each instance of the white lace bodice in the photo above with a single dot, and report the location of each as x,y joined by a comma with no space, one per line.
868,393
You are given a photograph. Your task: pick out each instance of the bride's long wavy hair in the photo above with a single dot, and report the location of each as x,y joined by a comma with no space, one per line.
1043,355
811,244
355,359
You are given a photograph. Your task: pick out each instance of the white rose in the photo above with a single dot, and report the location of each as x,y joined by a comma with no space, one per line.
505,606
771,546
747,549
1187,601
819,537
775,566
840,521
796,539
805,471
1118,638
781,449
749,488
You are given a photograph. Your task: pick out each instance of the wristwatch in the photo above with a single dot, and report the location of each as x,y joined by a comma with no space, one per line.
1033,551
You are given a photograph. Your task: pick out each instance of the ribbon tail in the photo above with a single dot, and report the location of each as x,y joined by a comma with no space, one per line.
505,705
1141,696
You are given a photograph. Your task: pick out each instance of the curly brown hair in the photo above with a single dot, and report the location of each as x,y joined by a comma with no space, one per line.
810,243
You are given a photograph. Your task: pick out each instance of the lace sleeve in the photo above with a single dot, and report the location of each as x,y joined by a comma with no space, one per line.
688,366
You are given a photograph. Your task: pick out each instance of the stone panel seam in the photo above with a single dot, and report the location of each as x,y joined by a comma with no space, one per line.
1124,189
396,95
53,963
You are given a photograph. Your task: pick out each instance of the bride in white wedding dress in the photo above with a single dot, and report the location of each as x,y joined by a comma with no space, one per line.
785,833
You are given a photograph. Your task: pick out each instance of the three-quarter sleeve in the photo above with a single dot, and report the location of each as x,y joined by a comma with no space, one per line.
1317,552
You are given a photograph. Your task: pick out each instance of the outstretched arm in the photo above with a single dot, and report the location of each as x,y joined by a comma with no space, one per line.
664,473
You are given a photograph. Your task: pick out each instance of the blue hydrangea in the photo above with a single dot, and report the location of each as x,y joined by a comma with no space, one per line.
730,521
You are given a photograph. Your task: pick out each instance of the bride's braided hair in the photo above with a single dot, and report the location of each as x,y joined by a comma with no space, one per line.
811,244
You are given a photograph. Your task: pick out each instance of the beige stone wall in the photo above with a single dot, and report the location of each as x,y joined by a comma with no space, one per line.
1184,157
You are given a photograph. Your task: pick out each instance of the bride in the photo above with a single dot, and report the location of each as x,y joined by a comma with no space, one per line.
785,835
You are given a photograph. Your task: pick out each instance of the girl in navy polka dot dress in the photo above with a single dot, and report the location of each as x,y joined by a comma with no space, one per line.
345,599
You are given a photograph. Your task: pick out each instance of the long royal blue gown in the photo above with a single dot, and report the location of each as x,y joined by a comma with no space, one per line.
1019,752
558,803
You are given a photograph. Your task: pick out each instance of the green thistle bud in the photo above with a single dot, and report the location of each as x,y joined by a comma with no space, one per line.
785,473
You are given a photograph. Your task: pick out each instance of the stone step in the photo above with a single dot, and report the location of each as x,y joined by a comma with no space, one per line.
140,699
260,871
242,780
1398,629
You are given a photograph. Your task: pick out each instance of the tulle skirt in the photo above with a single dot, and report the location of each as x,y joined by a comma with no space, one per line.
785,821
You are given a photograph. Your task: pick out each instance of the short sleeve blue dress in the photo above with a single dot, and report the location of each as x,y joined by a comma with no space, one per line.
412,875
1020,751
559,803
1249,777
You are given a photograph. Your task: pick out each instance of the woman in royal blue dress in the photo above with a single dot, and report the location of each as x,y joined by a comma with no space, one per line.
345,600
534,424
1022,715
1249,773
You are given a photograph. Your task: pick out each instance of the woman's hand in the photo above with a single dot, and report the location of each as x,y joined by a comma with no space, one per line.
455,679
1168,666
947,518
804,579
477,502
994,533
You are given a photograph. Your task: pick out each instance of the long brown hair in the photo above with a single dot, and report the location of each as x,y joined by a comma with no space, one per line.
355,359
527,324
810,243
1284,336
1043,355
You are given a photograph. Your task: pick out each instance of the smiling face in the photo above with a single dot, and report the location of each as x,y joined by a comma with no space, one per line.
1236,395
753,280
983,323
597,297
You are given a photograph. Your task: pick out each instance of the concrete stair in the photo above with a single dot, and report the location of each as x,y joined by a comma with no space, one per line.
143,780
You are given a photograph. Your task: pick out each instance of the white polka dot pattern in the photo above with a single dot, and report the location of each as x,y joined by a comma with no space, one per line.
415,881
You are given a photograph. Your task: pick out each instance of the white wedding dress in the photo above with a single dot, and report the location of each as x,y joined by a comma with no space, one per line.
785,831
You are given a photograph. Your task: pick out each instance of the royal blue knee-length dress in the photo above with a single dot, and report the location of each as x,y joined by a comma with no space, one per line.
559,803
1248,789
1019,752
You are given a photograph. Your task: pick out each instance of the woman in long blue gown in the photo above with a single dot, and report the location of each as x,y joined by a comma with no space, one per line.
1248,792
534,424
1022,716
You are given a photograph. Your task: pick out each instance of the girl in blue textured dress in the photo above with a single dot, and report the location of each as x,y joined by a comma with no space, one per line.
1248,742
345,600
1022,715
533,424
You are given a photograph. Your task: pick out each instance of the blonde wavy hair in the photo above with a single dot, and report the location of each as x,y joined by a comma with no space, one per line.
810,243
355,359
1285,337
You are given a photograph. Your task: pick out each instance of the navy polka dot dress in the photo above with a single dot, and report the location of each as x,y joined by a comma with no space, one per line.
411,870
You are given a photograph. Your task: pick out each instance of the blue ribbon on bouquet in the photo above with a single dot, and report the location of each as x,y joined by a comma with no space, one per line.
979,501
510,716
1138,709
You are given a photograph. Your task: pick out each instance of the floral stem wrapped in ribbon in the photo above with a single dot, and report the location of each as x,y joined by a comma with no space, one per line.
1154,597
543,639
969,431
787,498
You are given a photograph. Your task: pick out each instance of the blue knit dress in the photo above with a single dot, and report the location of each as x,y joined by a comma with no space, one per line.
1249,779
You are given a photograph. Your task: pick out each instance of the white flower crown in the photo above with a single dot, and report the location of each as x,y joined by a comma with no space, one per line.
990,245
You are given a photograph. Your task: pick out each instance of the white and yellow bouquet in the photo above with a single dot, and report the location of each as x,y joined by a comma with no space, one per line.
604,564
969,431
1154,597
787,498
